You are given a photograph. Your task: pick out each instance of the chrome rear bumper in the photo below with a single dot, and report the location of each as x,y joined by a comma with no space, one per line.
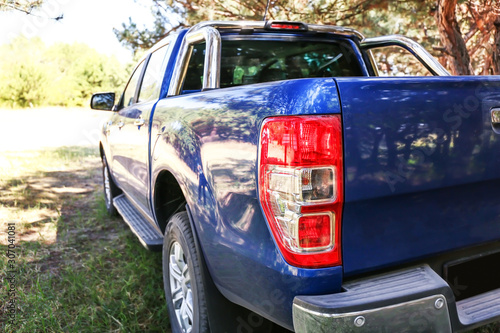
410,300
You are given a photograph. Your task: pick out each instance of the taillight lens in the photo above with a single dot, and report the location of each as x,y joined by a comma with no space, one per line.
300,182
284,25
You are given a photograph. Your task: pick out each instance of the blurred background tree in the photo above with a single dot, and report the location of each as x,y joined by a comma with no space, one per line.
25,6
463,34
22,80
32,74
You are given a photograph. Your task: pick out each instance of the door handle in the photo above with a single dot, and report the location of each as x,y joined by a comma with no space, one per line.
139,122
120,124
495,120
108,126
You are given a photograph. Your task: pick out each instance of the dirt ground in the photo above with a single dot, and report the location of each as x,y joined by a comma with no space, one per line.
76,269
40,188
38,178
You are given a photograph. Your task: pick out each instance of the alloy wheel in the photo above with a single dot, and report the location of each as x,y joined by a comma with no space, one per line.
180,286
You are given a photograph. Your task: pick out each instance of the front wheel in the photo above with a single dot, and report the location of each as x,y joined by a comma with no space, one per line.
182,278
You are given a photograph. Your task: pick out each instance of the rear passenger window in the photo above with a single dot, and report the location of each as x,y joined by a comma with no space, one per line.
151,83
193,80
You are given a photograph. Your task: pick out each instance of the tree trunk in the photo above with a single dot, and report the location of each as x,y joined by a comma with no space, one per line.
451,38
496,49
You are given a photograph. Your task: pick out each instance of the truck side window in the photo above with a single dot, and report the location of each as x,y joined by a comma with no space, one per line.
193,80
151,83
129,93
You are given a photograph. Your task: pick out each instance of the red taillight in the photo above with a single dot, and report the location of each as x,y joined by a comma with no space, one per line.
315,231
300,181
283,25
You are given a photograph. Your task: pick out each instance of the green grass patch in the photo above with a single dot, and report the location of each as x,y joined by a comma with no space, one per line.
77,270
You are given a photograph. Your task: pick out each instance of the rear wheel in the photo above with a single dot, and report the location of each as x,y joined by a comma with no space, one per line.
182,278
110,189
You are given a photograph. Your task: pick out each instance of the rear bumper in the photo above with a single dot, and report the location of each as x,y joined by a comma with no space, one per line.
410,300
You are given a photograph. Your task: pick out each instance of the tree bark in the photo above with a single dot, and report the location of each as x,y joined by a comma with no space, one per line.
496,49
455,49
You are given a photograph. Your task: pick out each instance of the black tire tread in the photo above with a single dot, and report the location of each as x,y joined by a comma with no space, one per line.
115,190
181,221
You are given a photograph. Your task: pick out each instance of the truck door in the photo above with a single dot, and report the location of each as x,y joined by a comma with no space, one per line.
138,130
117,137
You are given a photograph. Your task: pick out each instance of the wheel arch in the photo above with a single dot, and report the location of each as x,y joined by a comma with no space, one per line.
216,303
167,198
101,150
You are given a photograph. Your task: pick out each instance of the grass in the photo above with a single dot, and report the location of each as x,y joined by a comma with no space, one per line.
77,270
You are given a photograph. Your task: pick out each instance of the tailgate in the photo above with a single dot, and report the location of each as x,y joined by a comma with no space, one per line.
422,168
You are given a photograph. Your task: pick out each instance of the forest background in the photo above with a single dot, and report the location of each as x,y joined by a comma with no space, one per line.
464,35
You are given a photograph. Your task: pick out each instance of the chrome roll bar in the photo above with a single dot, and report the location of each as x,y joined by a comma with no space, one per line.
413,47
211,68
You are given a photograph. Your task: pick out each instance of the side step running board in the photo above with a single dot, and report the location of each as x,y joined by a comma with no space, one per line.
150,237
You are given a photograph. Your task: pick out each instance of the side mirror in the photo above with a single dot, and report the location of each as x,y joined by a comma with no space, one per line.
103,101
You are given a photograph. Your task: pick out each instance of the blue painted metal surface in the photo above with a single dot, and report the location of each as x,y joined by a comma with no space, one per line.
209,141
422,168
420,160
171,57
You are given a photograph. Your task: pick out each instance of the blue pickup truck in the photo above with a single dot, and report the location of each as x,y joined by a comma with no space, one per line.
292,185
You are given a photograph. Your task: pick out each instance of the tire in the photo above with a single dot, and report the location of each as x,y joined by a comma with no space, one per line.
182,278
110,189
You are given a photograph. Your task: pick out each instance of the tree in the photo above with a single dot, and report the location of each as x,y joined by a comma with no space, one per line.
495,54
77,71
170,15
166,19
24,87
22,81
32,74
479,19
463,34
451,38
25,6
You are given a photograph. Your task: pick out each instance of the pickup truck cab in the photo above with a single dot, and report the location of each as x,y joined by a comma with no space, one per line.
291,186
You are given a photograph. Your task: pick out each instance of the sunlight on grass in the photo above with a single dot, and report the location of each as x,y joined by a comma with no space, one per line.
34,186
78,270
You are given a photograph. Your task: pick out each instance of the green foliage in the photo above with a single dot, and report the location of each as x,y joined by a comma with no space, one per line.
80,71
479,22
166,20
22,81
413,18
23,86
32,74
